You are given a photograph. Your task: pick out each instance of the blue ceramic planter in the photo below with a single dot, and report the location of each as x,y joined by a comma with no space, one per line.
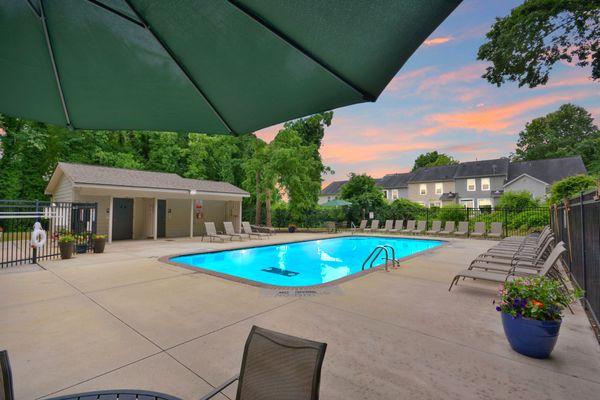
531,337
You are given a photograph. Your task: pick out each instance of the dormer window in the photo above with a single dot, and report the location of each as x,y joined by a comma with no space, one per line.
471,186
485,184
439,188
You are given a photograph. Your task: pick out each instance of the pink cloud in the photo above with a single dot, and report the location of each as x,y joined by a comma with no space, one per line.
499,118
467,73
438,40
405,79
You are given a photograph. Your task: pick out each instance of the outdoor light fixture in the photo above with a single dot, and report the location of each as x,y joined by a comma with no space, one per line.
193,192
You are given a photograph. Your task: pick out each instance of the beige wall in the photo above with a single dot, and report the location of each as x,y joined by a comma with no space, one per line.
178,217
103,206
213,211
64,190
414,192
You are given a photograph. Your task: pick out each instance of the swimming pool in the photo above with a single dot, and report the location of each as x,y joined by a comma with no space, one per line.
307,263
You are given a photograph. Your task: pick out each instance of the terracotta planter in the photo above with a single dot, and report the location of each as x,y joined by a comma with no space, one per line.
99,245
66,250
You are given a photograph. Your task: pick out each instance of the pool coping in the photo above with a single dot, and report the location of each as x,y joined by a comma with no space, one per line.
167,260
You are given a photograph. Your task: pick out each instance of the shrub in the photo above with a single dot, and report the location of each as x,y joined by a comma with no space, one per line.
453,212
571,186
538,298
517,201
404,209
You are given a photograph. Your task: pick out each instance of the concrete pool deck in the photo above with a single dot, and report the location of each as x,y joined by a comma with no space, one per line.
125,320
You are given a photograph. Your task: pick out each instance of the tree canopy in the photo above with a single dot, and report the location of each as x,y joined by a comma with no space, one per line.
566,132
433,159
524,45
571,186
365,196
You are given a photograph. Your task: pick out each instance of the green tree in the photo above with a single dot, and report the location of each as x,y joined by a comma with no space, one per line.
165,152
365,196
571,186
524,45
517,201
311,130
433,159
568,131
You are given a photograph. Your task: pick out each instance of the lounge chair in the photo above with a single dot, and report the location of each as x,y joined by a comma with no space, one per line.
448,228
331,226
6,384
479,230
463,229
410,226
362,226
230,230
211,232
496,230
247,229
502,276
389,224
436,227
515,255
277,366
263,229
398,226
421,228
374,226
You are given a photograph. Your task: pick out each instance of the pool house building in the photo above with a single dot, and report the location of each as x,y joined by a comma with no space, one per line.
134,204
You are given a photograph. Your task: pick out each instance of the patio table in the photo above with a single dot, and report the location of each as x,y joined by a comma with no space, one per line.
114,394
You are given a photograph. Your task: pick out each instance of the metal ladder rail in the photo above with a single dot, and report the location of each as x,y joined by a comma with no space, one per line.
387,258
375,253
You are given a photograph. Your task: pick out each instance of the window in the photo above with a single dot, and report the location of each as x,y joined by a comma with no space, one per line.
467,203
385,194
484,202
439,188
485,184
423,189
471,185
435,204
394,194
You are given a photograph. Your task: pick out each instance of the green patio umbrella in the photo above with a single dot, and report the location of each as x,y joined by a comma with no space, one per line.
336,203
227,66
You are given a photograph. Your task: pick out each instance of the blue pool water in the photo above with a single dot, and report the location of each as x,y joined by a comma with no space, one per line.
302,263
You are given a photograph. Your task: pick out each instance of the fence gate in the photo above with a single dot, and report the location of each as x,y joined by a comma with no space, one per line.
16,225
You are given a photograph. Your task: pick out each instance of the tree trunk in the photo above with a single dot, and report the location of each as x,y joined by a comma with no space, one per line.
268,207
257,219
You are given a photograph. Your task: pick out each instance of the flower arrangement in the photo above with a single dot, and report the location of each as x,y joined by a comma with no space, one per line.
98,237
538,298
66,239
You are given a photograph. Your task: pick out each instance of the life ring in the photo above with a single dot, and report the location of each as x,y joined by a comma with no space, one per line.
38,237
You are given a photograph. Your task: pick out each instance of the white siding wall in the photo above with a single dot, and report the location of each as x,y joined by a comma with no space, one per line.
64,190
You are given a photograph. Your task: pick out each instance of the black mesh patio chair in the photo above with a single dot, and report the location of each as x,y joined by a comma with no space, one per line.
276,366
6,385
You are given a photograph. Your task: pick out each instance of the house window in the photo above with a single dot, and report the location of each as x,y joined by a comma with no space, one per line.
394,194
467,203
423,189
385,194
439,188
484,202
435,204
471,187
485,184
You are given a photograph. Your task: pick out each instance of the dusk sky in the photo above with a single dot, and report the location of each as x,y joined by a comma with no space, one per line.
438,101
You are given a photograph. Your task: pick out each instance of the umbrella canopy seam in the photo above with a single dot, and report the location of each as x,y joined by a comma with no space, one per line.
117,12
54,66
33,9
292,43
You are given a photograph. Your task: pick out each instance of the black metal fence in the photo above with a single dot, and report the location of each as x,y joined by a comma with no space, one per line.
17,218
577,223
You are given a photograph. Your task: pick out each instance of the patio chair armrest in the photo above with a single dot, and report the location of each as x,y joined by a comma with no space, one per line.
220,388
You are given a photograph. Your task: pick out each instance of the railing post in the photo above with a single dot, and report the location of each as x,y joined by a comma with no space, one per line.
505,223
583,260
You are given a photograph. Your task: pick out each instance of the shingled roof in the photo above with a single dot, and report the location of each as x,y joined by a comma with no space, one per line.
333,188
474,169
549,170
391,181
434,174
109,176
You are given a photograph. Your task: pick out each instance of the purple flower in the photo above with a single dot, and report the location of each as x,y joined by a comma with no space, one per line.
498,308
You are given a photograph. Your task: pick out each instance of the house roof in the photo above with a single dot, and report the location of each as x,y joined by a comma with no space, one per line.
394,180
333,188
433,174
549,170
473,169
109,176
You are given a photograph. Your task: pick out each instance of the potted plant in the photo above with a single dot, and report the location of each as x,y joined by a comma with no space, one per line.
291,228
65,243
81,243
531,310
99,243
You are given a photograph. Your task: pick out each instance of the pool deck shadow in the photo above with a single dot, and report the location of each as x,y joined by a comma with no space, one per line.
125,319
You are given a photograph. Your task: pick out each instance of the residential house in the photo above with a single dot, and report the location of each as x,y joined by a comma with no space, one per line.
395,186
479,183
537,176
331,191
433,186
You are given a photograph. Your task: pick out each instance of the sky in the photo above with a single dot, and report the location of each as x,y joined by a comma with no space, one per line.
438,101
